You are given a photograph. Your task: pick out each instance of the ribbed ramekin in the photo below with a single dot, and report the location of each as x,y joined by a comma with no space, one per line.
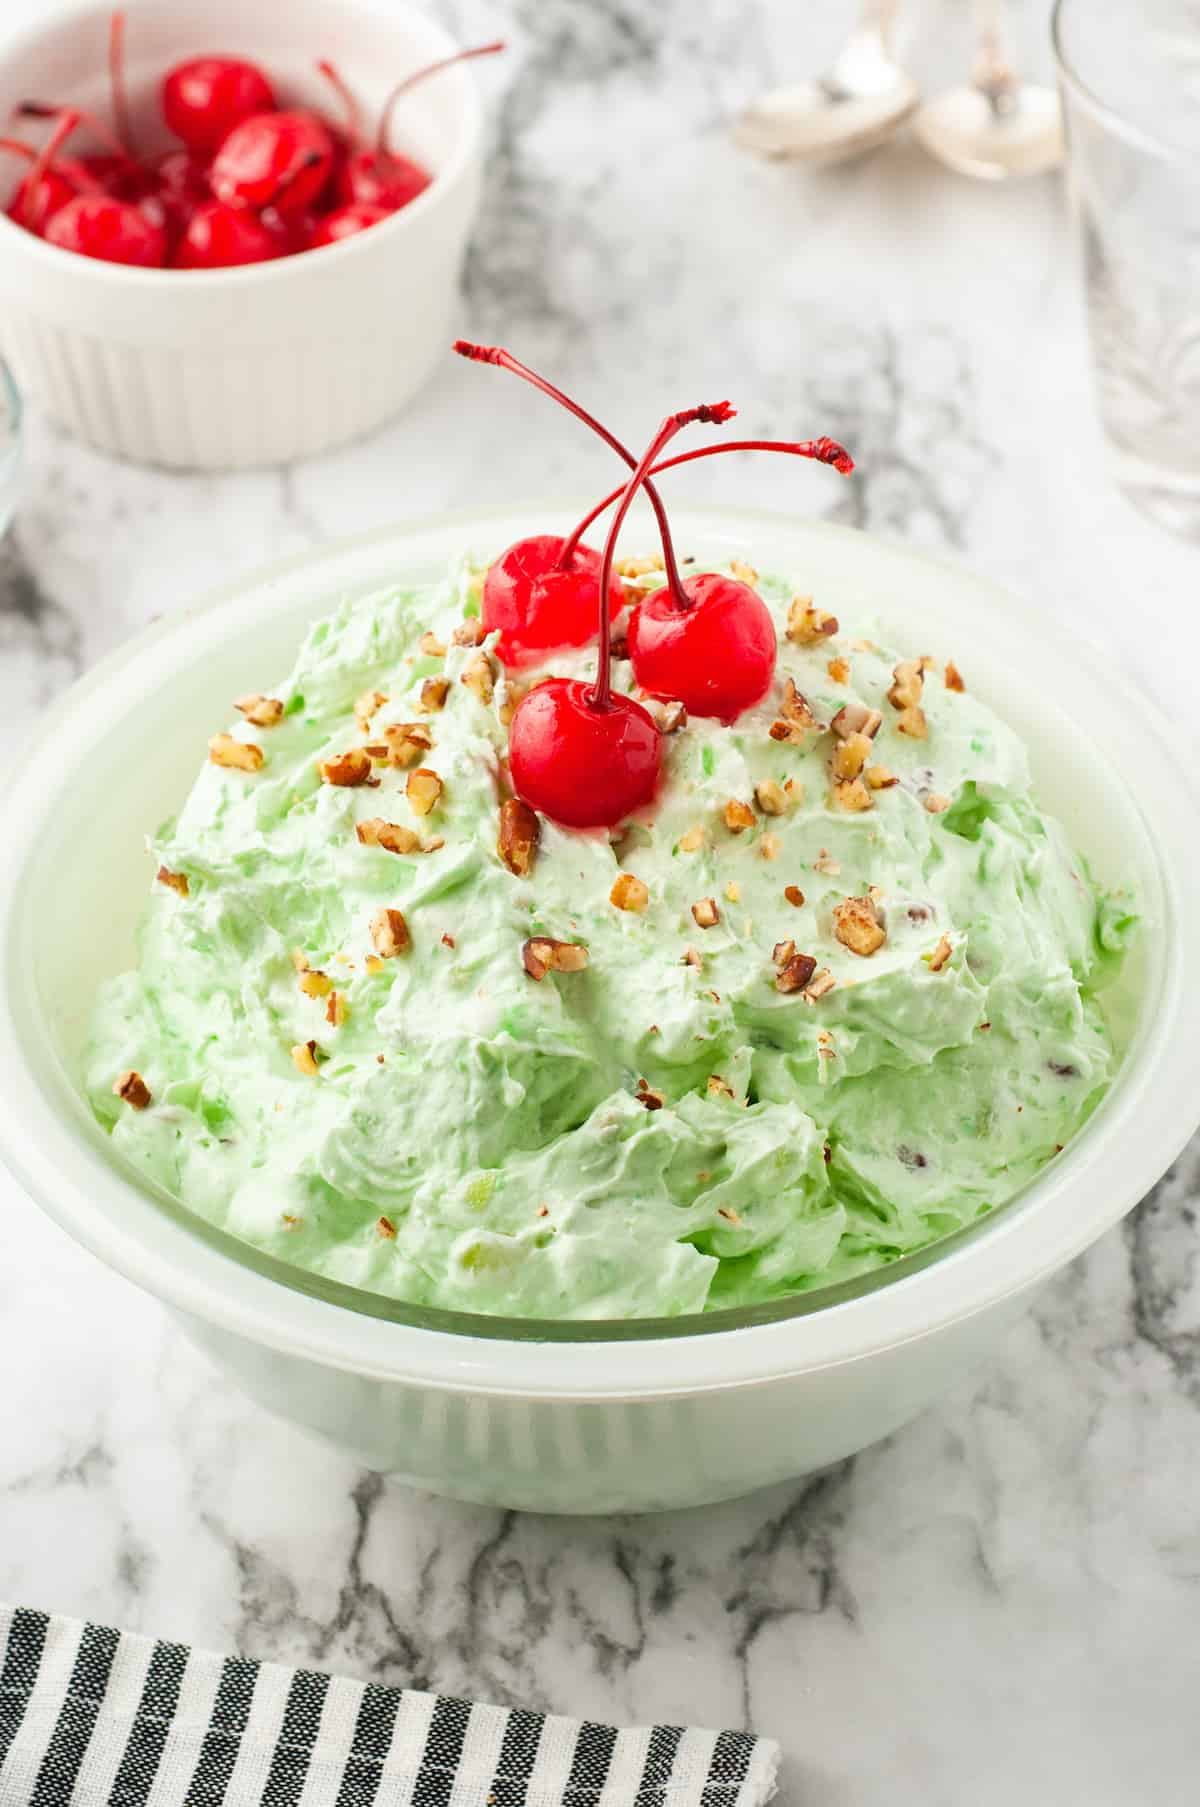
219,370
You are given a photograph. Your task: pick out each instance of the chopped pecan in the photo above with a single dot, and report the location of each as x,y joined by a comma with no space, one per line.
335,1009
423,790
315,984
940,954
850,756
718,1087
855,718
744,573
839,670
518,840
738,816
795,973
672,717
935,803
826,863
263,711
299,959
241,755
346,769
771,797
628,892
646,1095
692,957
794,708
733,891
406,741
469,633
953,676
769,847
305,1057
852,794
431,646
908,681
912,721
393,837
175,881
478,678
694,838
639,567
366,705
132,1089
782,952
794,895
820,983
515,693
540,955
880,777
858,926
706,913
806,624
386,1228
389,932
434,692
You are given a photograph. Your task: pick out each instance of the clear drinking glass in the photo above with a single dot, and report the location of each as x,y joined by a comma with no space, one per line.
1130,77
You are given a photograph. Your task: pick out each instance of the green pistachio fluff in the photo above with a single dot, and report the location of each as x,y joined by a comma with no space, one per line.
666,1130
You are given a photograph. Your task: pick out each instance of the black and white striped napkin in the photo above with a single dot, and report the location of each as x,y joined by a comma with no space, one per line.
91,1717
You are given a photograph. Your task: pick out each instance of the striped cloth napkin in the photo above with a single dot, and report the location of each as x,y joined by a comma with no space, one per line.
93,1717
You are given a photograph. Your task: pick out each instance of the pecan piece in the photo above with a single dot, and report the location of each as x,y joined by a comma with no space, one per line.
386,1228
305,1057
132,1089
769,847
839,670
771,797
366,705
718,1087
406,741
880,777
940,954
389,932
263,711
806,624
469,633
738,816
393,837
855,718
935,803
540,955
795,973
850,756
346,770
706,913
315,984
794,895
518,840
478,678
671,718
335,1010
434,692
820,983
852,794
744,573
240,755
857,924
423,790
628,892
175,881
912,721
908,681
953,676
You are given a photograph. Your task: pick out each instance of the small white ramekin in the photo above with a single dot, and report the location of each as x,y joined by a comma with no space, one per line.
579,1418
224,369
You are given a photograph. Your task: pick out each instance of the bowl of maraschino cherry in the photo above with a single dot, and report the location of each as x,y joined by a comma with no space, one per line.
231,233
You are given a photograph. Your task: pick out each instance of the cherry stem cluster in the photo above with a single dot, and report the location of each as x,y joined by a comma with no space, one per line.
349,100
116,77
67,122
40,109
496,354
714,413
825,451
410,81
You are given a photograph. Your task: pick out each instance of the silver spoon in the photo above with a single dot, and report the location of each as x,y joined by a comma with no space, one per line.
997,125
860,100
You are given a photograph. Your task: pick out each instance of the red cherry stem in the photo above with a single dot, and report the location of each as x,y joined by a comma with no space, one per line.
825,451
116,81
420,75
496,354
40,109
715,413
45,157
344,92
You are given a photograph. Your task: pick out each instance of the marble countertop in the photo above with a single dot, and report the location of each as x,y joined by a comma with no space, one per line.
1002,1602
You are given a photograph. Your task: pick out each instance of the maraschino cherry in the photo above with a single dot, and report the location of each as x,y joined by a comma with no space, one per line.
101,226
52,180
374,175
577,753
544,592
279,160
218,237
204,98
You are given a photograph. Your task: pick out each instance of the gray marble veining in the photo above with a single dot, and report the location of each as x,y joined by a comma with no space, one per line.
1000,1603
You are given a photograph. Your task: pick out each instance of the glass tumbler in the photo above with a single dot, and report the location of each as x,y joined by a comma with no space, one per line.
1130,77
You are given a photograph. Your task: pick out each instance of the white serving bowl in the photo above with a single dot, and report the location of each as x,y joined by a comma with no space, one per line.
223,369
582,1418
